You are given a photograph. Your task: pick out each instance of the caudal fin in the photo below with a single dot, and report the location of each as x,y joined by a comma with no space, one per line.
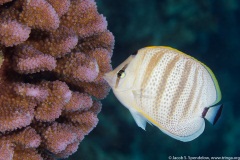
212,113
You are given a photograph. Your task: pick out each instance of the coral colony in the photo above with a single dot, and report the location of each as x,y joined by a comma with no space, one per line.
54,55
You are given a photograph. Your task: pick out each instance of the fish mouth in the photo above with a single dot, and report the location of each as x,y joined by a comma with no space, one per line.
107,77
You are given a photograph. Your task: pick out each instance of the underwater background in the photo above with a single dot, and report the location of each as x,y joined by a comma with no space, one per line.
208,30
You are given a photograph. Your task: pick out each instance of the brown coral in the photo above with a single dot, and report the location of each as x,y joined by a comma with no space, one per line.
54,56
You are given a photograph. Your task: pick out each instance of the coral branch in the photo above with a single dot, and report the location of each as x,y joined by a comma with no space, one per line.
14,111
13,33
96,108
6,149
77,67
57,43
83,18
79,102
51,108
85,120
21,153
29,60
39,14
58,137
32,91
27,138
61,7
98,90
101,40
70,149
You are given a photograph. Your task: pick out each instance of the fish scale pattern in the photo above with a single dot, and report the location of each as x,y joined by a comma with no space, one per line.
176,92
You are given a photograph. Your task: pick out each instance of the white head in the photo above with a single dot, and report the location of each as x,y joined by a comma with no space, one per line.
118,77
121,81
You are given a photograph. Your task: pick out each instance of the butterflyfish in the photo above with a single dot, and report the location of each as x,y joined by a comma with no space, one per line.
169,89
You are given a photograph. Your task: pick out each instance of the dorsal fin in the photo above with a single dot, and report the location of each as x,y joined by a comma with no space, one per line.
218,91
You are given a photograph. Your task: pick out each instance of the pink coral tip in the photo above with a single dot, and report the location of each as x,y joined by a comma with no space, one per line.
13,33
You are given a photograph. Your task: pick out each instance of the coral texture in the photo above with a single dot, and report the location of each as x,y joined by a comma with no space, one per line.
53,57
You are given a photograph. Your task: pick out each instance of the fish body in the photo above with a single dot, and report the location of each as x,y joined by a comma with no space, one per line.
169,89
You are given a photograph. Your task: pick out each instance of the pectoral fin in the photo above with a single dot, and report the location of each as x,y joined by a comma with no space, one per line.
139,119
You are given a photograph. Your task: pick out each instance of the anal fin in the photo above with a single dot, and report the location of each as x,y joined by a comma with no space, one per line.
212,114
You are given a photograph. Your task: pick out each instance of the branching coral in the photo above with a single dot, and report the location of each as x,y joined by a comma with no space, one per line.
54,56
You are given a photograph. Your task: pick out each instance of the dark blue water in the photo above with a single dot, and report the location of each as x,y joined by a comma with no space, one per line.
208,30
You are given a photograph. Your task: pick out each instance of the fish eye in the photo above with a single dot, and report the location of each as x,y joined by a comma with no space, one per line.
121,74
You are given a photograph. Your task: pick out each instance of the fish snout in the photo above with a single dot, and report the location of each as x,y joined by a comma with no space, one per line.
110,80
